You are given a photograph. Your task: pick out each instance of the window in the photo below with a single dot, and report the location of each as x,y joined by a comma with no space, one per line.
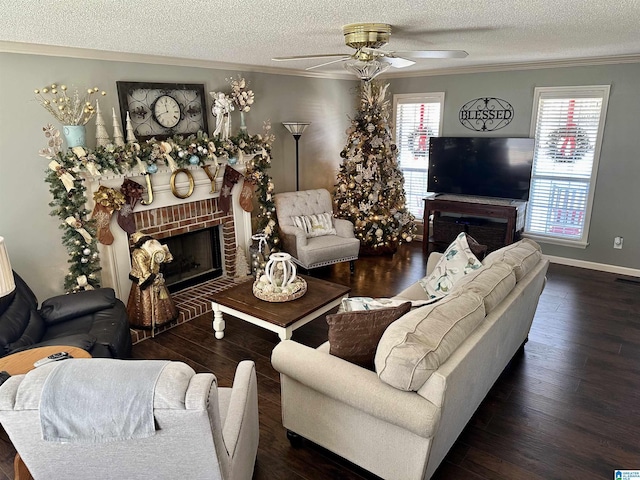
567,124
417,117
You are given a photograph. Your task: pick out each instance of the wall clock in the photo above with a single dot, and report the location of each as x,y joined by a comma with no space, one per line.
161,110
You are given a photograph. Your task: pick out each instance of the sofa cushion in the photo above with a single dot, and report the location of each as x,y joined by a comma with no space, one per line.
413,347
315,225
522,256
456,262
493,283
354,336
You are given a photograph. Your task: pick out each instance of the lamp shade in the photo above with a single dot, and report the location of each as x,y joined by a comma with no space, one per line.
7,284
296,128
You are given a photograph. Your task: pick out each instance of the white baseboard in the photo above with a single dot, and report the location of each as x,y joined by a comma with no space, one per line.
603,267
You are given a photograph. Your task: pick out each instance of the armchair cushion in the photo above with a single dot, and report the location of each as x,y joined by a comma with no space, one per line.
315,225
65,307
354,336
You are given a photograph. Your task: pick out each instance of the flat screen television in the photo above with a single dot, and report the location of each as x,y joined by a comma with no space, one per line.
480,166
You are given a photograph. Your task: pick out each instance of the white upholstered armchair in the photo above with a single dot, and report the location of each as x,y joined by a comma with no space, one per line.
309,231
195,429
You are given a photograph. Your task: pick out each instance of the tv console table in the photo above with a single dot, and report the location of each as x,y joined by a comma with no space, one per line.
510,210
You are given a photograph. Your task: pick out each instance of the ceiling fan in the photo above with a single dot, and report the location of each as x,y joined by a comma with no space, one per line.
368,60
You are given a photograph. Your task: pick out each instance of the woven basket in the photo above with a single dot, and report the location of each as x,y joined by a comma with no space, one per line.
281,297
491,234
446,229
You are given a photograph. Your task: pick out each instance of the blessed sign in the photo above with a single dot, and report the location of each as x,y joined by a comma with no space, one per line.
486,114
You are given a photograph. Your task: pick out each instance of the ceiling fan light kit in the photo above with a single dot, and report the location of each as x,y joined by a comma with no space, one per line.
366,70
368,60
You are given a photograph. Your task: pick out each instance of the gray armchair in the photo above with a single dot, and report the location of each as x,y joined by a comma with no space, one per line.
197,429
307,249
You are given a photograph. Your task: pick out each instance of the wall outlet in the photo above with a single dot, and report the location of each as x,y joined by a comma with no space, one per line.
617,242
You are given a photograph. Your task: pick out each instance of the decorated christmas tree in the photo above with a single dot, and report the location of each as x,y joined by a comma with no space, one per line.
370,188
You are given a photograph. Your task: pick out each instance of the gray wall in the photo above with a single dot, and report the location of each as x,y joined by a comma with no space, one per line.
617,196
32,236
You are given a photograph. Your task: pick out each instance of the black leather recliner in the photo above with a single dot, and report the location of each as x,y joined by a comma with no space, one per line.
93,320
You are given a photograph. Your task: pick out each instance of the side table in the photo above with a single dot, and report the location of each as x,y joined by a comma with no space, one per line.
21,363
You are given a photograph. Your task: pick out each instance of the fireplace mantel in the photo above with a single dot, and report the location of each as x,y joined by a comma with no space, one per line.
115,259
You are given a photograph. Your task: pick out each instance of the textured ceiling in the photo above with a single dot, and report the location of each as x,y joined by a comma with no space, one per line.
250,33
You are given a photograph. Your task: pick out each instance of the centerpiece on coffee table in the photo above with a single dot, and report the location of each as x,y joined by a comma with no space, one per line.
279,282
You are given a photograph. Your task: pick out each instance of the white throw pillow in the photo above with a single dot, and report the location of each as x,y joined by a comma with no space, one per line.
456,262
315,225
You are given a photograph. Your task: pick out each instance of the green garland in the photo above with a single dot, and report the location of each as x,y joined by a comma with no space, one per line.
69,204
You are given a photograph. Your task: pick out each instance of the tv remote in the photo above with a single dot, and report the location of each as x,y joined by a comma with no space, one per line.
52,358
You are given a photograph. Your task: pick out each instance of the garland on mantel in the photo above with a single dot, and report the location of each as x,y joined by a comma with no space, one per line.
68,170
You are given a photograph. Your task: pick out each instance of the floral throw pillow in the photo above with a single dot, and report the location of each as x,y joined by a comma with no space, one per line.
315,225
456,262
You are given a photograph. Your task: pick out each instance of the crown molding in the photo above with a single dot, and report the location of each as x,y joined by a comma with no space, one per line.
505,67
109,56
91,54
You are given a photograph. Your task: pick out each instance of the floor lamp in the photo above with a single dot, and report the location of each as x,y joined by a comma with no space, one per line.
296,129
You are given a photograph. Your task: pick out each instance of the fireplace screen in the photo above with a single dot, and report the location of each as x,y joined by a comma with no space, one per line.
196,258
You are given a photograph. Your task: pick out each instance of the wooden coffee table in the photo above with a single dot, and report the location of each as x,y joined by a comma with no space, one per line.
279,317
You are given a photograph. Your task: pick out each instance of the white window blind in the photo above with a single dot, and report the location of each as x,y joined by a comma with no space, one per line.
417,117
567,125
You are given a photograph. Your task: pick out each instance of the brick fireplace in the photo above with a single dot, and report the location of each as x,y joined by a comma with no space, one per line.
173,220
167,216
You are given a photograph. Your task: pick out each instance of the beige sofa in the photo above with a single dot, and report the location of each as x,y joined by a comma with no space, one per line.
404,431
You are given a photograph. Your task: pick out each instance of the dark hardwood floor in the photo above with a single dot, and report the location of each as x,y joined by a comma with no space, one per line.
569,408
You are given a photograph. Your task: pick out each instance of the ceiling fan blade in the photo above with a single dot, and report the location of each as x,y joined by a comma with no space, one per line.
344,57
305,57
398,62
429,54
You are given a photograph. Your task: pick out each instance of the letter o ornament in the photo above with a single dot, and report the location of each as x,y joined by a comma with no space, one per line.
174,190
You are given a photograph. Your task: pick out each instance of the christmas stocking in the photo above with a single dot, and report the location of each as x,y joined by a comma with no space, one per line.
246,196
107,200
229,179
132,192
